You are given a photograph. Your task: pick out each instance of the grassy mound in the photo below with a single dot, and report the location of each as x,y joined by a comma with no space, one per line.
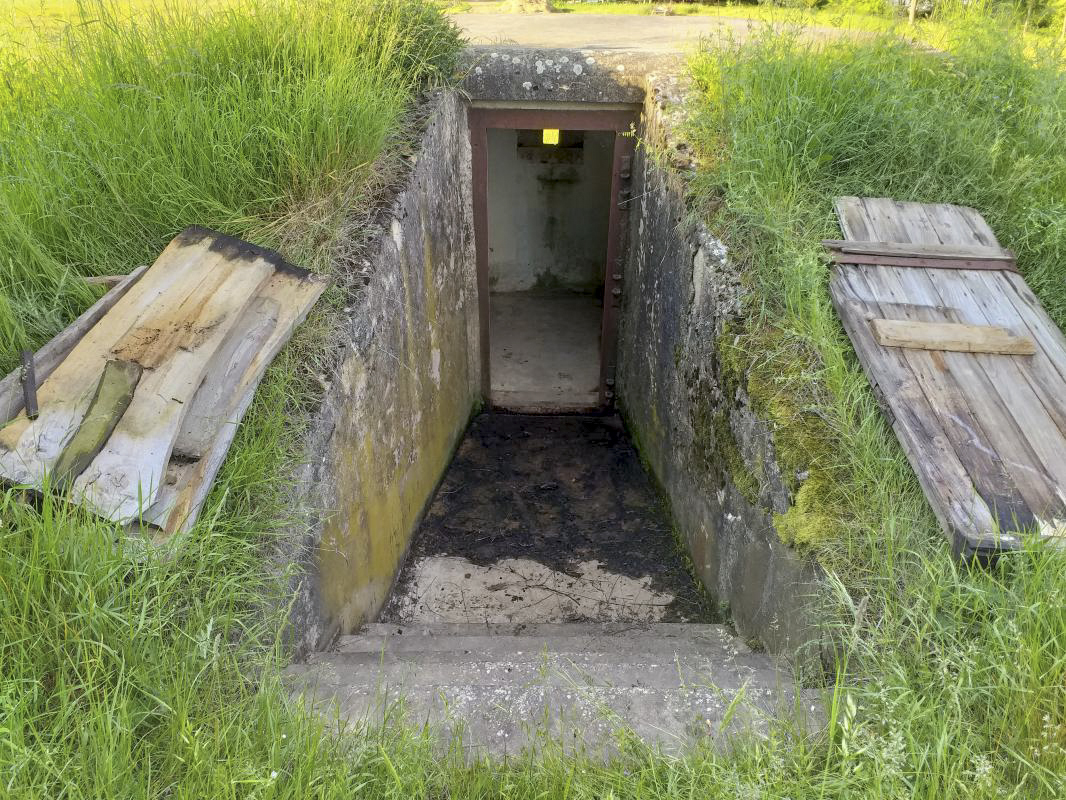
963,674
265,119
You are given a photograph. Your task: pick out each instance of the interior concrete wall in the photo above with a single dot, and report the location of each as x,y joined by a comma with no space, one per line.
400,399
548,214
695,429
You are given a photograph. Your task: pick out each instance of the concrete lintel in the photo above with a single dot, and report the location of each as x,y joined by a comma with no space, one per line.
562,75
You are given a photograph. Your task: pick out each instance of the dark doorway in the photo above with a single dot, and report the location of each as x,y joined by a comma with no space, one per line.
549,231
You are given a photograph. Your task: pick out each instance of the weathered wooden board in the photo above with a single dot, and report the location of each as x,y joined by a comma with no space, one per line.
141,397
28,450
226,392
954,336
174,346
953,251
985,432
49,357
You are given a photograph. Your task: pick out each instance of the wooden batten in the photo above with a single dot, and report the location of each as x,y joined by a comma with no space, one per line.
951,336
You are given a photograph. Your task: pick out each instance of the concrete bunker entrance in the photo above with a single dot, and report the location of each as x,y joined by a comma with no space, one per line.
547,515
479,470
550,239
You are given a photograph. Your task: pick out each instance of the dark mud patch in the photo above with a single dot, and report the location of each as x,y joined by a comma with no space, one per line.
558,490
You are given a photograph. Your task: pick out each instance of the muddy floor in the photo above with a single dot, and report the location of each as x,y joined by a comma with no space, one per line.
545,519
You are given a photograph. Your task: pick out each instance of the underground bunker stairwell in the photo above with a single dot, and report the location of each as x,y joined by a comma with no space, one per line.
543,514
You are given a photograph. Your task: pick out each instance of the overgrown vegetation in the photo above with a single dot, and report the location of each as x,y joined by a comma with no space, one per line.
266,120
963,672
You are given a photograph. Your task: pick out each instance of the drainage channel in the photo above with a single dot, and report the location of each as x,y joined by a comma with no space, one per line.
545,519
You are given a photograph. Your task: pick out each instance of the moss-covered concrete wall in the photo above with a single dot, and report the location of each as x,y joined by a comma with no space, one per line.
687,406
401,397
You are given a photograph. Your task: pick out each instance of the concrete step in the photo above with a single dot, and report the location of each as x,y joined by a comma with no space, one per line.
549,669
674,638
504,686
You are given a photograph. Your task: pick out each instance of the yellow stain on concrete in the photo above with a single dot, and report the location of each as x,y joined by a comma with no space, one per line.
401,431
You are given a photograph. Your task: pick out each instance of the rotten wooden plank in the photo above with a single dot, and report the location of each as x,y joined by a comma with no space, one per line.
52,354
175,346
225,395
953,336
29,449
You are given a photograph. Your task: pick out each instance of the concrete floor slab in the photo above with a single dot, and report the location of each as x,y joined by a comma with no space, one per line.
545,351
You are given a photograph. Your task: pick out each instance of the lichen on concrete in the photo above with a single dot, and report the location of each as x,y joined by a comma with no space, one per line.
710,442
400,398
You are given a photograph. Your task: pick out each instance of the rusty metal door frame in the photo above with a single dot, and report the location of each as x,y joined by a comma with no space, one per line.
480,120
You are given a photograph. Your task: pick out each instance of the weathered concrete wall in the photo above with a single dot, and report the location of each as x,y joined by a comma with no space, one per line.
401,397
548,211
711,452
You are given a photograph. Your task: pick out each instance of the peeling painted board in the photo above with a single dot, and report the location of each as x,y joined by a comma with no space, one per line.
52,354
29,449
174,346
1008,402
209,426
954,336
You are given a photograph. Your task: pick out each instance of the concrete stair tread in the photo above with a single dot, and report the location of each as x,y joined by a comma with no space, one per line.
365,669
673,638
669,683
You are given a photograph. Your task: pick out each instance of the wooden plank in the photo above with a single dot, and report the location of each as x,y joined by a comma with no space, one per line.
923,262
942,475
28,450
951,336
113,395
997,386
49,357
226,393
921,250
1037,403
974,422
174,346
959,418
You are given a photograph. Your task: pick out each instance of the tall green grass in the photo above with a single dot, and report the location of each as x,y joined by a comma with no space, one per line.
265,119
957,678
125,674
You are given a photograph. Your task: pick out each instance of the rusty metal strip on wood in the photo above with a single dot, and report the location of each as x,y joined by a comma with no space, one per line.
1002,265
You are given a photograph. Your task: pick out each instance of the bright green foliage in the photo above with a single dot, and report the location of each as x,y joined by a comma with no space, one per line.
786,128
263,120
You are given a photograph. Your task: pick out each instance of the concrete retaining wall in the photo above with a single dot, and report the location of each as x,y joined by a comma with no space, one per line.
711,453
400,399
